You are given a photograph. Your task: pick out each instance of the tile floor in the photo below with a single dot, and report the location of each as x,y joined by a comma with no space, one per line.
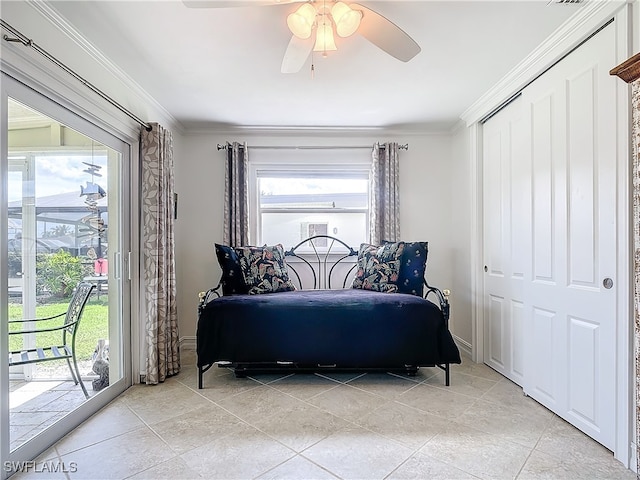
346,426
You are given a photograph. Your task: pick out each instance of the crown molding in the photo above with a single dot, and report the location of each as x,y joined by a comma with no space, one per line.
590,17
59,22
321,131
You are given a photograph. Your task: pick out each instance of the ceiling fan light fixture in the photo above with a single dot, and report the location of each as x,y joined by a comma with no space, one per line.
347,20
301,21
324,36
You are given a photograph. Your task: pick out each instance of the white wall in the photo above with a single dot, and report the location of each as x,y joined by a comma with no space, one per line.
461,238
425,199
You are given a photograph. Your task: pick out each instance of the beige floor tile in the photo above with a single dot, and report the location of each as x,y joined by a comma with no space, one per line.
406,425
119,457
220,387
113,420
341,377
187,357
196,427
304,385
384,384
347,402
469,367
421,466
437,401
522,427
246,453
155,403
507,393
174,469
188,377
300,427
478,453
269,378
469,385
259,403
541,466
298,468
561,440
356,453
50,453
423,373
489,437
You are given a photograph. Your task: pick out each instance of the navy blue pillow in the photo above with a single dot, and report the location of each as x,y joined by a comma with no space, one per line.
232,280
412,267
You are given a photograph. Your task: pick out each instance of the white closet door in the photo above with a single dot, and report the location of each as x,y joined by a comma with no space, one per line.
550,239
506,187
570,348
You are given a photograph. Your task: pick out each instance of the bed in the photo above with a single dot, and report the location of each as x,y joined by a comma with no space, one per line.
326,306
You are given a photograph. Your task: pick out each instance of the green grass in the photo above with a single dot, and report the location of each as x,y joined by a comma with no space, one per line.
94,325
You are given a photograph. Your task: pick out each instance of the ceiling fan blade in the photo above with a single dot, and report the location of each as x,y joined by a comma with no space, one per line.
233,3
296,55
386,35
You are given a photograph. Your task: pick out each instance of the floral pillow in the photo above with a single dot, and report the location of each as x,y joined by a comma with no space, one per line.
412,267
264,269
379,267
232,279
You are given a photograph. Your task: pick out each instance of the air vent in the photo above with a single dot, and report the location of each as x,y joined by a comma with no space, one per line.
564,2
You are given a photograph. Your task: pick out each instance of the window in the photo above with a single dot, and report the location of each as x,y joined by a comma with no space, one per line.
294,202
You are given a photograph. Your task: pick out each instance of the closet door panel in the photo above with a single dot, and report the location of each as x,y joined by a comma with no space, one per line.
582,175
550,238
506,180
571,110
543,156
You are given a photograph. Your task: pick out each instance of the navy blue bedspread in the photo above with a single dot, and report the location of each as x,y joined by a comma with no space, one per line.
350,328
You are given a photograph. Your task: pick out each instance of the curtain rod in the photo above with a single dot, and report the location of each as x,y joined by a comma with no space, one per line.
27,42
310,147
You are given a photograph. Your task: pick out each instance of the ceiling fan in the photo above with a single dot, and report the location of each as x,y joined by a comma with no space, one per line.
313,24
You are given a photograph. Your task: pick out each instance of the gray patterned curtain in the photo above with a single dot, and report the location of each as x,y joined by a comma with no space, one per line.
235,231
384,220
158,263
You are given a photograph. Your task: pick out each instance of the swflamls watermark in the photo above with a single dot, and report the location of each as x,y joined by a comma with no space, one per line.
49,466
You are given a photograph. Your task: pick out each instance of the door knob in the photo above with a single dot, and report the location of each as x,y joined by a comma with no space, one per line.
607,283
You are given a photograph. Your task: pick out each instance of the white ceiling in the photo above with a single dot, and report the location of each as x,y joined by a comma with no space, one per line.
221,66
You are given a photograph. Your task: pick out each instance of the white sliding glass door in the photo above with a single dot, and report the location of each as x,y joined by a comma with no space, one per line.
64,220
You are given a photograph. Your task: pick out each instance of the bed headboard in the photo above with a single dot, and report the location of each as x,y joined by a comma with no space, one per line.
321,262
326,262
